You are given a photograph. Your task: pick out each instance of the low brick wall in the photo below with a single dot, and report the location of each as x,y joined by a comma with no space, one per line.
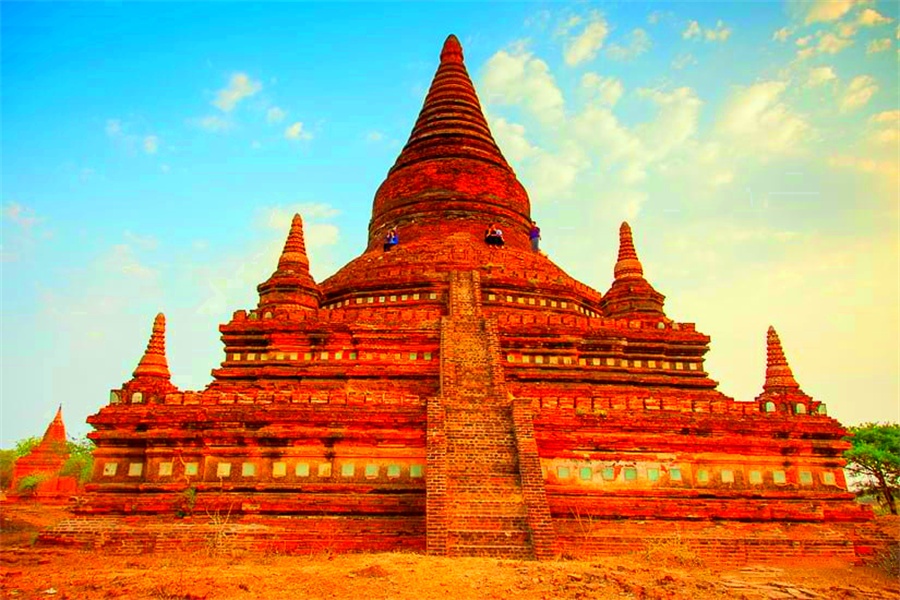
223,532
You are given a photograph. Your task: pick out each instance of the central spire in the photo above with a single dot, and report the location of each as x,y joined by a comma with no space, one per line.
450,167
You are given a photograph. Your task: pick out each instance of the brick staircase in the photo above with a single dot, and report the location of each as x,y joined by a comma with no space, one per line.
477,504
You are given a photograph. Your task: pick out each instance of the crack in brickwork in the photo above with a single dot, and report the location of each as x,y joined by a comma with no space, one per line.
481,475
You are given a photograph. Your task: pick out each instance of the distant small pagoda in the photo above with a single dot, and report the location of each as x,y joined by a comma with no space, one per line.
464,399
44,462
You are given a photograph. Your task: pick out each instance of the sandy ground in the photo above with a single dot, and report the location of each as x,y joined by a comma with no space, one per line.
28,571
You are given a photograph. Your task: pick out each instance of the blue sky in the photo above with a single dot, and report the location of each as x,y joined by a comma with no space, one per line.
153,154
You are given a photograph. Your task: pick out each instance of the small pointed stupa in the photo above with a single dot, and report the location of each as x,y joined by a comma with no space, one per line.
291,285
779,376
151,377
47,457
630,294
153,363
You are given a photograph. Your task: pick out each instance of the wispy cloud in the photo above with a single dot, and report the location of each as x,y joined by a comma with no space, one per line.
275,115
858,93
828,10
214,123
151,144
876,46
296,132
517,77
720,33
638,44
239,87
20,215
584,46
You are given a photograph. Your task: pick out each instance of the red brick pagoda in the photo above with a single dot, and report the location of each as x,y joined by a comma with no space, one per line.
465,399
45,461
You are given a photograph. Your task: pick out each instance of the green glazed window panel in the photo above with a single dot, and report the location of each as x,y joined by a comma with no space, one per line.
702,476
609,473
348,469
302,470
371,470
191,468
828,478
630,473
415,470
675,474
393,471
248,469
778,477
653,474
755,477
562,472
806,478
585,473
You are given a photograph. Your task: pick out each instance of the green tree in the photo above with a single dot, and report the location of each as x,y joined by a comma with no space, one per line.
26,445
8,458
875,458
80,463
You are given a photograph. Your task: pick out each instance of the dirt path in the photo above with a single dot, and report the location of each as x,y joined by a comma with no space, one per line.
27,571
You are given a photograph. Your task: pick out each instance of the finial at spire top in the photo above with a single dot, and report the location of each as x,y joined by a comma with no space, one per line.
452,50
778,371
627,266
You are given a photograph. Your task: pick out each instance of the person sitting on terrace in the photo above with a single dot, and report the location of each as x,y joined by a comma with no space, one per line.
391,239
493,236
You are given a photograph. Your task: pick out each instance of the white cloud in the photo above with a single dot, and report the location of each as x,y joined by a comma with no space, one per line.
151,144
832,44
637,45
295,132
518,78
820,75
719,33
889,127
804,41
875,46
828,10
239,87
113,127
512,141
828,43
858,93
374,136
756,117
871,17
606,89
214,123
585,45
692,30
675,122
275,115
783,34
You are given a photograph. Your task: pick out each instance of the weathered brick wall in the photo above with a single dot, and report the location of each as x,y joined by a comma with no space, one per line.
719,543
221,531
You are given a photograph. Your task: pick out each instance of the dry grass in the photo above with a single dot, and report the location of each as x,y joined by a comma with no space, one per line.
667,570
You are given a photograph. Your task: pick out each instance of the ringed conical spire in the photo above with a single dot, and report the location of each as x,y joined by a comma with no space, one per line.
153,363
628,266
778,372
630,294
450,167
291,285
